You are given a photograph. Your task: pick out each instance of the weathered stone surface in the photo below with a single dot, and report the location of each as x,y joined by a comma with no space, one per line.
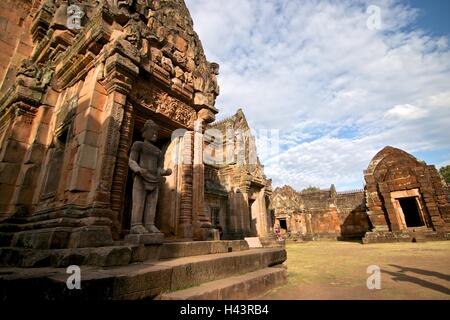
149,252
110,256
253,242
233,288
147,238
186,249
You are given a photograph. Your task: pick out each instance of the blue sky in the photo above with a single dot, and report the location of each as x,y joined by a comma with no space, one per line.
336,90
434,15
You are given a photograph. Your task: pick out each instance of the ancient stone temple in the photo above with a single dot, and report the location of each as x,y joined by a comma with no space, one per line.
107,114
130,62
237,193
321,214
80,101
406,199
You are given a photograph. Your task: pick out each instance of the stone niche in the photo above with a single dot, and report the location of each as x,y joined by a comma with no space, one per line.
406,199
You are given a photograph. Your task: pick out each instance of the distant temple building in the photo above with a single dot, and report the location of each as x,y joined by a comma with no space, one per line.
406,199
403,200
237,192
321,214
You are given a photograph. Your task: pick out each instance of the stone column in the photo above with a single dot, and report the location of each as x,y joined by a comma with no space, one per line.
201,223
184,229
121,168
120,73
262,214
233,209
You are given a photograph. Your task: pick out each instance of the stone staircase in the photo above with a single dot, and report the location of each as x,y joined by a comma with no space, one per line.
188,270
235,287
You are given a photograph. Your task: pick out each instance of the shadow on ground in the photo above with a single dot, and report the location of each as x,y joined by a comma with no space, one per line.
402,276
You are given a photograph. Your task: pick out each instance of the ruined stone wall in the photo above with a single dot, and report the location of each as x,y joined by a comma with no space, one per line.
321,214
315,200
352,214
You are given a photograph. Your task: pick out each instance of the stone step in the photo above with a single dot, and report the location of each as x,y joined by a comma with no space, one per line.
240,287
145,280
196,248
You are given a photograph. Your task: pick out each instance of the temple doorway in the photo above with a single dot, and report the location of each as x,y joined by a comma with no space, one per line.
411,211
283,225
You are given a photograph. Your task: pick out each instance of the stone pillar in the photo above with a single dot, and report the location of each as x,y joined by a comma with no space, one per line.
201,224
185,230
121,169
245,209
120,73
233,209
262,214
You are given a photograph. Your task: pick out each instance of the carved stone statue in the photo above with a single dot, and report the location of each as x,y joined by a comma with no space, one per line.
28,69
146,162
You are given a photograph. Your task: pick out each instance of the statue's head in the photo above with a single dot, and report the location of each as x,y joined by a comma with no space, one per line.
150,131
214,68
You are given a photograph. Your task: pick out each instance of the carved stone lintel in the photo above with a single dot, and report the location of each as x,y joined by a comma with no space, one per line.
120,74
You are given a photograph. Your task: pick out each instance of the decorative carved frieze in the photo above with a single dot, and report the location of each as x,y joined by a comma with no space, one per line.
174,109
159,101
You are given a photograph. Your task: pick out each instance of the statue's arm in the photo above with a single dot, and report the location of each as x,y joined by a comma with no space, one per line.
161,169
134,158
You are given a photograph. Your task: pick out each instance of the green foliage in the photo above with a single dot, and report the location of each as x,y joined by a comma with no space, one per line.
445,172
311,189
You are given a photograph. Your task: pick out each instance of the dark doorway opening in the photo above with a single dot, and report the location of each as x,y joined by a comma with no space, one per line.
283,224
411,212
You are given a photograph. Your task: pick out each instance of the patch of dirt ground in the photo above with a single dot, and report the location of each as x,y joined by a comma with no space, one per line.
338,270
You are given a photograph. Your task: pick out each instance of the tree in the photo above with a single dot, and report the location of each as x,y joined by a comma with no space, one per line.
311,189
445,172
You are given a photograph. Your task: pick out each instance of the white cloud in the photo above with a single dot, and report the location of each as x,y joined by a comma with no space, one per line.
405,112
337,91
